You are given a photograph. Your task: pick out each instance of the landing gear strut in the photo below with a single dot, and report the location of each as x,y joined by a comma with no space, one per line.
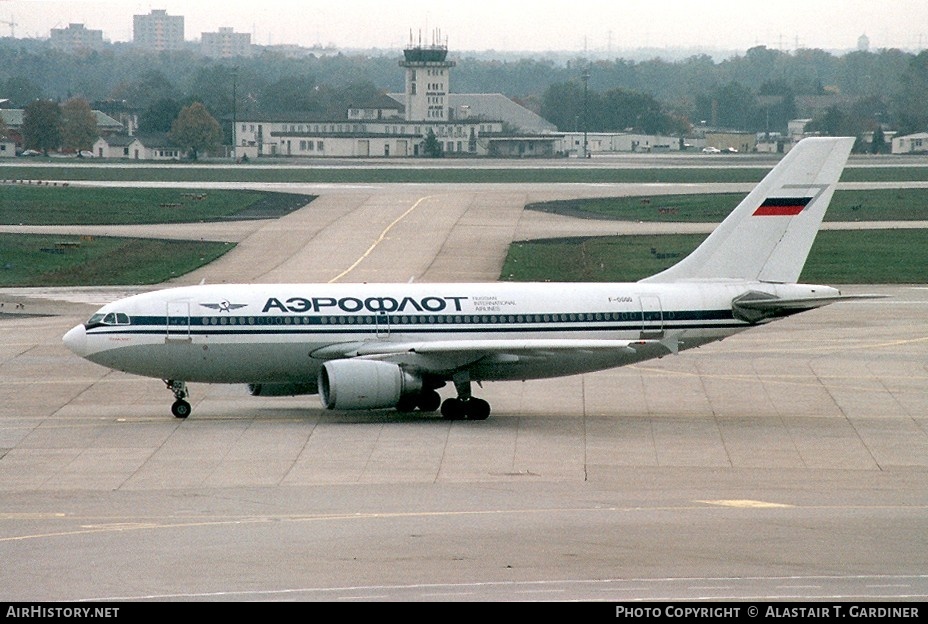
180,408
464,405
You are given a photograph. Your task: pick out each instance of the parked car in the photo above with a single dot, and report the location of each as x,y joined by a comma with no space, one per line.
711,150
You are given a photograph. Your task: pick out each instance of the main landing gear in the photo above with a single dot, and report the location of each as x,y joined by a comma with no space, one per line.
426,401
464,405
180,408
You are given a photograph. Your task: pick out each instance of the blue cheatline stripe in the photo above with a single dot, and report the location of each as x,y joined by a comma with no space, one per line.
428,324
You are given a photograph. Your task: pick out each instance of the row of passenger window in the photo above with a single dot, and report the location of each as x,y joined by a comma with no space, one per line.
422,319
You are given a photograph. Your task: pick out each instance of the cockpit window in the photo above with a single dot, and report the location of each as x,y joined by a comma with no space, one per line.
111,318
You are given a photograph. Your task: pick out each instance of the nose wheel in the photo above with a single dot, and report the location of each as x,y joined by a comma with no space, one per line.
181,408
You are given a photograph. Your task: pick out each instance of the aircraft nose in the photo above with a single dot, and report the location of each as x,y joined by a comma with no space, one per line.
76,340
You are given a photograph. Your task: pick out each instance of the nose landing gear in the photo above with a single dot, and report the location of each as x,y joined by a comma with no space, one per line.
181,408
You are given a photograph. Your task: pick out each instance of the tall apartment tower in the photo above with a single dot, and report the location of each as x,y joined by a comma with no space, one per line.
226,43
428,80
76,38
158,31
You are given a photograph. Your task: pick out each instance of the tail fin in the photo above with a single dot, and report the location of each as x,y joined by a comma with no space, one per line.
768,236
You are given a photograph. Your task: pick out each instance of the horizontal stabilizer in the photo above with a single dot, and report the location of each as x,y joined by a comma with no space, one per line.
755,306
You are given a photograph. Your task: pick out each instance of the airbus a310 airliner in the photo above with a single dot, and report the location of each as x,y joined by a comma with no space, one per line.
374,346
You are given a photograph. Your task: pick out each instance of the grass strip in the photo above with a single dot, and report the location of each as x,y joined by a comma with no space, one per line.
837,257
40,260
71,205
864,205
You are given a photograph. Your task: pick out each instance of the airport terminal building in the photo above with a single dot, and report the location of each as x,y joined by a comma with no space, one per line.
401,125
292,136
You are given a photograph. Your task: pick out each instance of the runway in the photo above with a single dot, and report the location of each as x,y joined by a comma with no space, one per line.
787,463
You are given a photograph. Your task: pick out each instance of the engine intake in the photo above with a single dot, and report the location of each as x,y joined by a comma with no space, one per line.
365,384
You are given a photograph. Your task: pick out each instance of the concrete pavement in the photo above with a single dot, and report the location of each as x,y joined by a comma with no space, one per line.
787,461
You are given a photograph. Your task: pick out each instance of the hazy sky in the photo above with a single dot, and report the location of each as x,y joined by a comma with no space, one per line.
531,25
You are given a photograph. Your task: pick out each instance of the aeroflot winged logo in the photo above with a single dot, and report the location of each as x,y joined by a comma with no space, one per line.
224,306
782,206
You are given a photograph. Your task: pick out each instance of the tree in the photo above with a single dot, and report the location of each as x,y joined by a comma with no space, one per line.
144,90
618,109
78,125
159,116
432,147
836,122
777,103
562,105
911,111
291,93
42,126
4,130
21,91
212,86
571,108
733,106
196,130
878,144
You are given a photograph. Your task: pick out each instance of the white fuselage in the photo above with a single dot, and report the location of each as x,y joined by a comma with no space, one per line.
283,333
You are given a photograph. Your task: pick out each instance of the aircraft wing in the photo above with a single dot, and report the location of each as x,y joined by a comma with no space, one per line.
447,355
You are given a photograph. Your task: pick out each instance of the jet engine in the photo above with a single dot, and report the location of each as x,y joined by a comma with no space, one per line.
365,384
282,389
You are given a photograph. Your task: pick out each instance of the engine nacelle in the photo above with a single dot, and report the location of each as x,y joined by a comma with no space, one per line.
365,384
282,389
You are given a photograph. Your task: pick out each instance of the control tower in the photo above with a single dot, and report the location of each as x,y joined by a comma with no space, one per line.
428,79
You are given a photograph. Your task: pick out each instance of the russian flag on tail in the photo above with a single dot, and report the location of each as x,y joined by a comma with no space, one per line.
782,206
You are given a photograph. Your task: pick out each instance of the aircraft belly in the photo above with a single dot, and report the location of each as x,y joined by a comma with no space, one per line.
219,359
214,363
